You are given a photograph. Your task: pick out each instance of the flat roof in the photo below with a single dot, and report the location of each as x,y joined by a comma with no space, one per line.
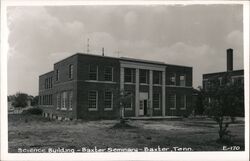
234,71
46,73
133,59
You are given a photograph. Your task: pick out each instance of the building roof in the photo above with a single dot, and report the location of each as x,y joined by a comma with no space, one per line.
233,73
133,60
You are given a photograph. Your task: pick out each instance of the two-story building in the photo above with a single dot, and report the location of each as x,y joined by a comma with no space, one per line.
85,86
220,78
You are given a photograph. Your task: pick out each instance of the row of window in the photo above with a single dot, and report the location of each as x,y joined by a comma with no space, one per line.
70,72
93,100
108,100
46,100
129,75
64,100
172,101
93,73
48,82
237,80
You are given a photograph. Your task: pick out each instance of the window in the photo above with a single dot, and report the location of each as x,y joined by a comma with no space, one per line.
92,100
57,75
157,77
143,76
70,100
63,101
128,104
108,74
108,100
172,101
220,81
129,75
156,101
183,102
172,79
70,71
51,82
58,101
46,83
93,72
182,80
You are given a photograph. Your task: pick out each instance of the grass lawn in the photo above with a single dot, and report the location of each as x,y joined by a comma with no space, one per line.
30,131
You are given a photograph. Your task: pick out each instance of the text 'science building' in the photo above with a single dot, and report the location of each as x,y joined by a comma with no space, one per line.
85,86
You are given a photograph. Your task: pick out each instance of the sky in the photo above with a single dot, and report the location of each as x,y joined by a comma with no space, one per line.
189,35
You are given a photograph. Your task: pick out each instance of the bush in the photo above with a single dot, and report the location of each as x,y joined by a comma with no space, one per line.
33,111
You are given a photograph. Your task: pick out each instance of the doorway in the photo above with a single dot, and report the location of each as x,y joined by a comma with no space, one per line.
143,109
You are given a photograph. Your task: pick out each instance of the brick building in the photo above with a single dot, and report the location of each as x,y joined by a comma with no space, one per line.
85,86
235,76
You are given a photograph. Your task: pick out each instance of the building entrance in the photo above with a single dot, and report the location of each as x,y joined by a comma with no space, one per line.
143,108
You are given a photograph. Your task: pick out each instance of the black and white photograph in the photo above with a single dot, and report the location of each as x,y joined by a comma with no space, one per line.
125,78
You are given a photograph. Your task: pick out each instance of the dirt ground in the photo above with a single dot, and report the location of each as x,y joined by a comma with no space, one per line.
29,131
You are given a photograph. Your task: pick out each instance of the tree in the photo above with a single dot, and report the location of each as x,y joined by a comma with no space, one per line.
198,101
34,101
20,100
223,101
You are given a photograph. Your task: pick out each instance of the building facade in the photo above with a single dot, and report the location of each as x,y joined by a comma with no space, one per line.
222,78
85,86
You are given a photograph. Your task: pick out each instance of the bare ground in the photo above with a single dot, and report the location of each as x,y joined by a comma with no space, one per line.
27,131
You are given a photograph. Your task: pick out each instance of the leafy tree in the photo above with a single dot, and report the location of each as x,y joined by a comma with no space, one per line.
198,104
20,100
34,101
223,101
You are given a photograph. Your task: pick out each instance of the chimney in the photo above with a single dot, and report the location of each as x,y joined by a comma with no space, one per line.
229,59
102,51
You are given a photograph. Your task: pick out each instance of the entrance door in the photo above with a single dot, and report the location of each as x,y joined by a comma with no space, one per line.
143,103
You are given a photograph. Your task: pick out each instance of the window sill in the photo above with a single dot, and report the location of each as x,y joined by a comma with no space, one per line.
108,109
64,109
92,109
144,84
129,83
128,109
182,108
172,108
70,109
157,109
157,85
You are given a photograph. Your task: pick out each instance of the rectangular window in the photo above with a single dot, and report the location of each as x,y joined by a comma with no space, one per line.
51,99
129,75
63,101
172,101
92,100
143,76
128,100
108,74
157,77
183,102
57,75
58,101
156,101
70,71
46,82
182,80
93,72
172,79
108,100
51,82
70,100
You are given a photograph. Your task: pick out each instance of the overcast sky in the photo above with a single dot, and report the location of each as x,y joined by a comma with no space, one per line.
194,35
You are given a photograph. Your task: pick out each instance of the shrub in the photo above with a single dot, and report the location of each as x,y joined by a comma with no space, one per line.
33,111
